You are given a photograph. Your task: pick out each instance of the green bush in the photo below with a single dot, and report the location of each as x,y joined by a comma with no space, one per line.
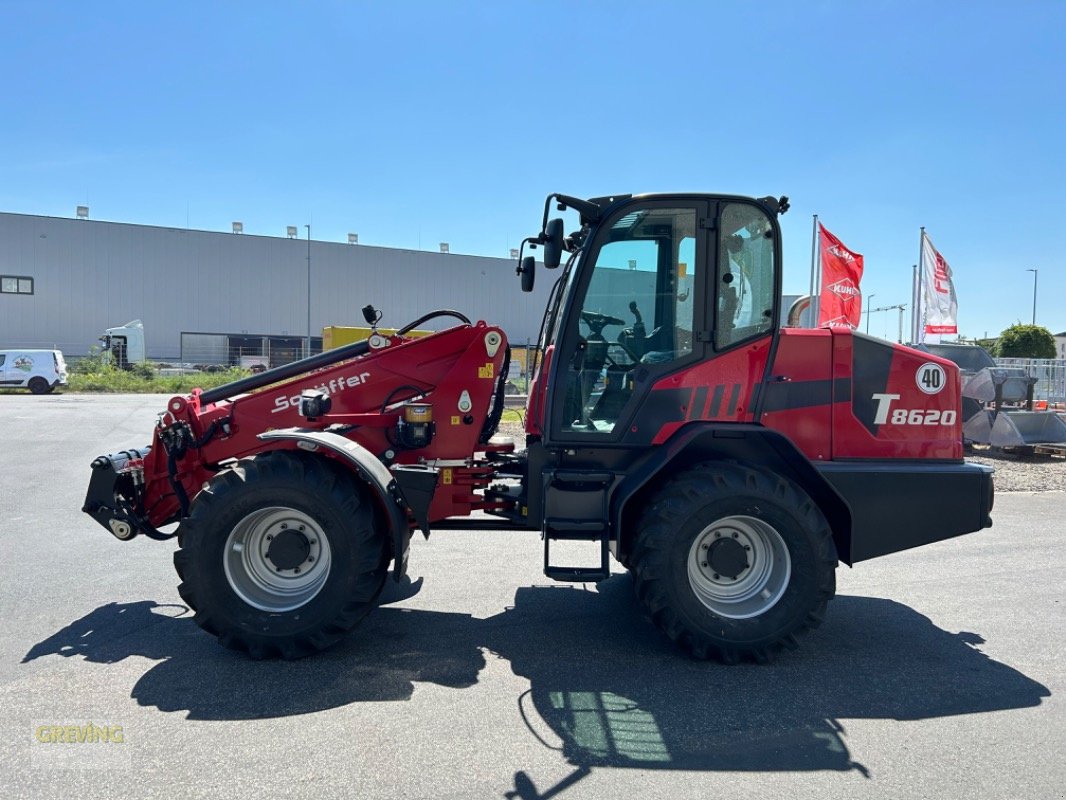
143,379
1026,341
143,370
94,362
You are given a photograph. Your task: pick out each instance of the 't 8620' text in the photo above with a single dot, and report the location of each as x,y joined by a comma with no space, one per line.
886,415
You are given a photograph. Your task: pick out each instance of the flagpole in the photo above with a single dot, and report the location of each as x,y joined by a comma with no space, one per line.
816,280
919,328
914,302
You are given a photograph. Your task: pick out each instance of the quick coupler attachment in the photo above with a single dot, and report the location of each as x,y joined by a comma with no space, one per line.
113,489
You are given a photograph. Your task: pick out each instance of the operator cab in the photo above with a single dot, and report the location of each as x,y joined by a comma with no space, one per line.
653,284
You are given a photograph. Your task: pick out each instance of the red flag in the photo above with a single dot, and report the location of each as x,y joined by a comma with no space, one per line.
840,302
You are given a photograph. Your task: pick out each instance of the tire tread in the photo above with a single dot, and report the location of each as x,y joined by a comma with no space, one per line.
298,470
667,510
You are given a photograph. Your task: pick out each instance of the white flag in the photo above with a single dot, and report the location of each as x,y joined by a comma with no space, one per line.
941,306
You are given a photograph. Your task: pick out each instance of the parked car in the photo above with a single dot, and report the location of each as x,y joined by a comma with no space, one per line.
40,371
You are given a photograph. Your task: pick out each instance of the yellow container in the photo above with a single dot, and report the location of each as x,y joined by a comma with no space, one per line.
334,336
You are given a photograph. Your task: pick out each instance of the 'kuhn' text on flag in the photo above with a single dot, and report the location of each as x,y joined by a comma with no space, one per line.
840,301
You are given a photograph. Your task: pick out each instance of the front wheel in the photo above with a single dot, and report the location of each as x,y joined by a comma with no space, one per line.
281,555
733,562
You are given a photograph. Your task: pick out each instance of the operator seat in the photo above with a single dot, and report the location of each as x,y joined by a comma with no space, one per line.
661,346
638,345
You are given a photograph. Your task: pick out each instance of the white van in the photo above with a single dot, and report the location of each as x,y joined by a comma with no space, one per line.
40,371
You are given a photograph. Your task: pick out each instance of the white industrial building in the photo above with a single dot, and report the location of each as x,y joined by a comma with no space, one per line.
64,281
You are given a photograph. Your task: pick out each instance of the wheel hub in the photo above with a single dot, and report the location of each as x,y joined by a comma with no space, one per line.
727,557
288,549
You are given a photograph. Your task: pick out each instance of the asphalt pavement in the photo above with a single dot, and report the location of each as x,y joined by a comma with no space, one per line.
938,672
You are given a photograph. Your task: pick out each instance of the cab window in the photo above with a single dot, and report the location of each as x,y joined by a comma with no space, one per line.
638,309
746,275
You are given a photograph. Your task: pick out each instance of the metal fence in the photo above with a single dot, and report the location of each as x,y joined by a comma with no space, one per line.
1050,374
208,351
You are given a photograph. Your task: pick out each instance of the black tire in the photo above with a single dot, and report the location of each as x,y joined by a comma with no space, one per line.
790,580
242,505
38,385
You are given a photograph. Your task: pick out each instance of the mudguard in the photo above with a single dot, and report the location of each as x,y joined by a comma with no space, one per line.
874,507
370,470
751,444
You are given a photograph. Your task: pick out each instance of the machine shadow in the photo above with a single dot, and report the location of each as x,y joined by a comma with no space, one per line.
606,690
390,651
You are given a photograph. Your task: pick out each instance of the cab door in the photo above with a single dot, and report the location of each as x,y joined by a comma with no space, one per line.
637,312
671,321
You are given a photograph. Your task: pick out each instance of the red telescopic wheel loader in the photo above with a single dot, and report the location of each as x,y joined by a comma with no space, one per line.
727,462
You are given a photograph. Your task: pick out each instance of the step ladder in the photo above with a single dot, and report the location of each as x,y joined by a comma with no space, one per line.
575,503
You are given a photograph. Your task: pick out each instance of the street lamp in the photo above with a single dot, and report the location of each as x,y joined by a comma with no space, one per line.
868,299
308,289
1034,271
901,307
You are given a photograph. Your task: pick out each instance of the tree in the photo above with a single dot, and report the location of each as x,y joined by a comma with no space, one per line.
1026,341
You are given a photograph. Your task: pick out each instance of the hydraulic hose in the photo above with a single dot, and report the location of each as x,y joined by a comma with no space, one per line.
444,312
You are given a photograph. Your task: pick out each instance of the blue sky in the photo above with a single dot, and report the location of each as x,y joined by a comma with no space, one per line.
416,123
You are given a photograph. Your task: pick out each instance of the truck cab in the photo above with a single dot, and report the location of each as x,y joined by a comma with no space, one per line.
123,346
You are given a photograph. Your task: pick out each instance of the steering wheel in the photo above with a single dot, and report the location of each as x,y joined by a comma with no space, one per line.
597,322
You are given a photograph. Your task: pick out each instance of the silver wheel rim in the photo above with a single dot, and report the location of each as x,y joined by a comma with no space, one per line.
758,585
256,579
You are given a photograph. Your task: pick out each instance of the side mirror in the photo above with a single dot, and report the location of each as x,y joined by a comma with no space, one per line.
553,243
528,271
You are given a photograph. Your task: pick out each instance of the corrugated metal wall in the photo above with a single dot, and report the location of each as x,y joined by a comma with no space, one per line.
91,275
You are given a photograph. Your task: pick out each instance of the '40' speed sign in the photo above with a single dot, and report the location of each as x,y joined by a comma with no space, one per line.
930,378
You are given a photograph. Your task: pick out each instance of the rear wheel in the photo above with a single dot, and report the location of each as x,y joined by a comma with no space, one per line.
38,385
281,556
733,562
